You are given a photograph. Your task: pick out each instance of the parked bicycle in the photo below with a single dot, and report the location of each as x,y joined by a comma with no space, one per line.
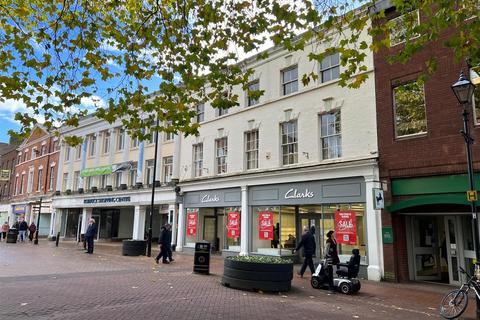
455,302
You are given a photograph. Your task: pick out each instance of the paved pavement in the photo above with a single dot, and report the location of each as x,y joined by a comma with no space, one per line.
45,282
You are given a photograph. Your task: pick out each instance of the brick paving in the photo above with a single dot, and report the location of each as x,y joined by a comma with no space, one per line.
44,282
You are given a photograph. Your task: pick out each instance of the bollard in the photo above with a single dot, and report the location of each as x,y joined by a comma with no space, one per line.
56,240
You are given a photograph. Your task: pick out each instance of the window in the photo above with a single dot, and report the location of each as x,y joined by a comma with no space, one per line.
400,25
221,112
331,135
21,183
330,68
289,142
167,169
153,134
168,135
132,175
149,171
34,153
16,185
103,181
409,107
290,80
52,178
200,113
134,142
76,176
56,146
78,152
120,139
93,145
19,158
30,181
65,181
253,86
88,183
106,142
67,153
221,152
25,155
475,78
40,180
197,159
118,179
251,149
43,150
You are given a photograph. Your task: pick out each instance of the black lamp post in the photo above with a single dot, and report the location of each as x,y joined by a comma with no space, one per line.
463,90
149,241
35,241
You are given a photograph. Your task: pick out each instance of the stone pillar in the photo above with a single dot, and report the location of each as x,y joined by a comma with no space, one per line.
244,227
83,162
181,227
374,233
86,215
173,218
139,223
58,186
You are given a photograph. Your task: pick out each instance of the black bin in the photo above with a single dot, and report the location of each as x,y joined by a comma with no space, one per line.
12,235
201,263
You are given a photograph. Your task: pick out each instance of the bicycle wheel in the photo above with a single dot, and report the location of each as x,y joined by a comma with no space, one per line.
453,304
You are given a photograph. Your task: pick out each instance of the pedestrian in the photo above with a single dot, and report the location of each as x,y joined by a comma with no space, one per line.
331,258
164,243
90,234
276,236
309,247
22,230
32,229
5,229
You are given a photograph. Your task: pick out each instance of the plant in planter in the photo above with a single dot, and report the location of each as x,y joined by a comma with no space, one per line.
258,273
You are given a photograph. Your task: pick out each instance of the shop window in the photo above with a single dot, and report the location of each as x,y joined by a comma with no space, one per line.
409,107
191,227
401,27
197,159
331,135
289,80
289,142
330,68
231,228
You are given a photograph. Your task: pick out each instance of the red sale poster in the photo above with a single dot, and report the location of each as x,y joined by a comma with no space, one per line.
265,225
346,227
233,224
192,223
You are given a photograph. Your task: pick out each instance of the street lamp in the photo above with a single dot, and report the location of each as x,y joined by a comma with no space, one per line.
149,241
463,90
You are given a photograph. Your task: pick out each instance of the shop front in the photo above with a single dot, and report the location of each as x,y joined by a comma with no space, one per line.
280,212
213,216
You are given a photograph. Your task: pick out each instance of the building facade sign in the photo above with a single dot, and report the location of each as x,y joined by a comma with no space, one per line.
107,200
212,198
19,209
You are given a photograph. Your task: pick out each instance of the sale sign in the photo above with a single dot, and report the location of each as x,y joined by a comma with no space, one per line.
192,223
346,227
233,224
265,225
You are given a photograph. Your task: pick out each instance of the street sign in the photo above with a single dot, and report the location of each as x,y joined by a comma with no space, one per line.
472,195
378,199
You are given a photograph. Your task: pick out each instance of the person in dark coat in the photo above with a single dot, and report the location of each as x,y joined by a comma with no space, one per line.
331,258
90,234
164,242
32,229
309,247
22,230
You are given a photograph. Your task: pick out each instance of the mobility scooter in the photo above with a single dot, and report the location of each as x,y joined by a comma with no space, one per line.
346,282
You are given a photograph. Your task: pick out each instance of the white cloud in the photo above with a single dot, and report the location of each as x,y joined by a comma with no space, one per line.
92,103
11,106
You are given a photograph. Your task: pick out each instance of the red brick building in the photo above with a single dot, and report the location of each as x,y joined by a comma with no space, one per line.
35,177
422,162
7,165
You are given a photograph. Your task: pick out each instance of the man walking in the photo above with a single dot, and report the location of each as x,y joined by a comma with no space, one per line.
164,242
22,230
90,234
309,247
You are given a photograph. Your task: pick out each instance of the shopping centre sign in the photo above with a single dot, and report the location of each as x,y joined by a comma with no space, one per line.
107,200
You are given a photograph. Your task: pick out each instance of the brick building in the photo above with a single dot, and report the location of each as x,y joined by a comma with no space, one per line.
34,178
7,167
423,162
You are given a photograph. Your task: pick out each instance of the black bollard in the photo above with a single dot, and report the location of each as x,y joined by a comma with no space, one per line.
56,240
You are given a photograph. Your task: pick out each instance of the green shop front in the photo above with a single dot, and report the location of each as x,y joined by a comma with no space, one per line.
432,222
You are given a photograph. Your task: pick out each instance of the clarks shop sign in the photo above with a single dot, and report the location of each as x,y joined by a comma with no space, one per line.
107,200
296,194
209,198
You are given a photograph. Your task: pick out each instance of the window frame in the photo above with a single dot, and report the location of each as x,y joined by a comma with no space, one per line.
327,136
330,68
393,36
197,149
288,144
200,112
284,83
167,168
221,163
254,151
250,102
394,104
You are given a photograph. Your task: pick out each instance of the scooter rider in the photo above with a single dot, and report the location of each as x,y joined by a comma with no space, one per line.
331,258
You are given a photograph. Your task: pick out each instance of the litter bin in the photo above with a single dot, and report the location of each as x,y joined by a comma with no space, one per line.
201,263
12,235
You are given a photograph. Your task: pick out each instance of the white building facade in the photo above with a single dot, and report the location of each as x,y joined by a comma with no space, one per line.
298,156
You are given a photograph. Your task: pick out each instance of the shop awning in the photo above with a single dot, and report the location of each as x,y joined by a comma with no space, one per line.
457,198
96,171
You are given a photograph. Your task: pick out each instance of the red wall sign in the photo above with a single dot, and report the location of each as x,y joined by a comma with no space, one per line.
192,223
233,224
265,225
346,227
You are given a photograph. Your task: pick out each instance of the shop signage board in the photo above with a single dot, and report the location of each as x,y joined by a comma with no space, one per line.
107,200
19,209
265,225
387,235
96,171
346,227
233,224
4,175
192,218
378,199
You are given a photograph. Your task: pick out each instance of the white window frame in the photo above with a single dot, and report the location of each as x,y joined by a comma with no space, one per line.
92,144
67,153
65,181
221,155
398,36
39,179
78,152
149,178
197,151
327,67
250,102
167,166
51,178
287,144
328,149
120,145
289,82
251,149
76,176
200,109
106,142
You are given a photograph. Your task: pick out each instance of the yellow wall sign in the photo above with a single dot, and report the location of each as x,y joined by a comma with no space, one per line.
472,195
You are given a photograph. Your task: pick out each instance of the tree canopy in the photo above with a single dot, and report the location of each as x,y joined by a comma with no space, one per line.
55,54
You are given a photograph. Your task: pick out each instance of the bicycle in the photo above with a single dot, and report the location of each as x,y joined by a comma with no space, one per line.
455,302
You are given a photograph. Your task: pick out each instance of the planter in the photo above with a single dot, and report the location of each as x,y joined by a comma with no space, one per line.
134,247
257,276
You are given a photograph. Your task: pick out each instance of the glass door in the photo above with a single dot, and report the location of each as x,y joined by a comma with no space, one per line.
459,246
426,248
313,221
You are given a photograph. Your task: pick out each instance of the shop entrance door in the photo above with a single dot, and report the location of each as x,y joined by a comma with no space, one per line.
314,221
453,248
209,230
426,247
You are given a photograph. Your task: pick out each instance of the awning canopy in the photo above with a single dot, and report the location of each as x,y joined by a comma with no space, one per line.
96,171
456,198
